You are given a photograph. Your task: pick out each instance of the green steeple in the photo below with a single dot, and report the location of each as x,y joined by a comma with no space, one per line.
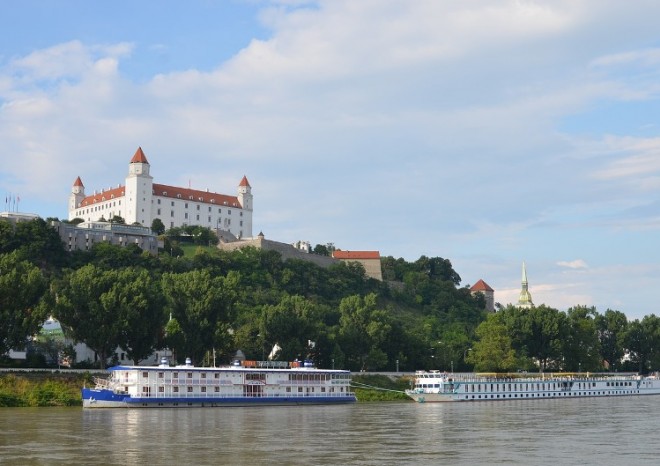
525,299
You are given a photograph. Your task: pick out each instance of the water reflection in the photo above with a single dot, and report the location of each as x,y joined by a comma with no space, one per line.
582,431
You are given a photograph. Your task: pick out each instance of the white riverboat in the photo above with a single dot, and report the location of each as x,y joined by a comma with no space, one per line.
435,386
245,383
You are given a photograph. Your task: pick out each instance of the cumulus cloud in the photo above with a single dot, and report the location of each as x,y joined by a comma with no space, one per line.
439,122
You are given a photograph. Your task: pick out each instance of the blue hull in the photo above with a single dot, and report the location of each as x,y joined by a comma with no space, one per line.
95,398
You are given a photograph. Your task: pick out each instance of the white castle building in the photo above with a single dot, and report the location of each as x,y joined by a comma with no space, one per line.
140,201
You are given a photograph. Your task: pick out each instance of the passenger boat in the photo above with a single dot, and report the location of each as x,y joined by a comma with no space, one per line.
245,383
435,386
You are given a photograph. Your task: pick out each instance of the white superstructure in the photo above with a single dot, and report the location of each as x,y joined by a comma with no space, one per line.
437,386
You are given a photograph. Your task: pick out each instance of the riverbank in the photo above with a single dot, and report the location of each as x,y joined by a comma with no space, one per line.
40,389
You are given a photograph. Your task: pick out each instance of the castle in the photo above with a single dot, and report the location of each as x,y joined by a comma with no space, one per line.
140,201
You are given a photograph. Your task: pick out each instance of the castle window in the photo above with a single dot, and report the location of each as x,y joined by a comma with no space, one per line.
241,213
159,201
171,213
212,202
190,197
164,193
172,203
186,216
219,211
209,209
229,212
197,217
201,199
209,219
178,196
186,205
158,211
197,206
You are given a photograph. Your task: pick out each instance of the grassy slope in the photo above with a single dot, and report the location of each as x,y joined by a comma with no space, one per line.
41,389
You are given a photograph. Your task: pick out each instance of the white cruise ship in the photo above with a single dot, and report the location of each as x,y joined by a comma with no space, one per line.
435,386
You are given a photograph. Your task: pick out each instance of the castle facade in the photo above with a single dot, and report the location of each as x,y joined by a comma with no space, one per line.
140,201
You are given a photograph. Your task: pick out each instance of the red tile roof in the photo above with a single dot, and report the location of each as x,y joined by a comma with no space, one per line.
78,182
481,286
195,195
244,182
139,156
356,255
104,196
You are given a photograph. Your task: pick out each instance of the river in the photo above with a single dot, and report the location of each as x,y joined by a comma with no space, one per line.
599,431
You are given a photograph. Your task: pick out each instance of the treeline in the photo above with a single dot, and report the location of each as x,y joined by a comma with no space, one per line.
219,302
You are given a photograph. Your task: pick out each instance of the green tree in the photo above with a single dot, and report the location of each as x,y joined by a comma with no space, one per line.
157,226
40,243
290,324
87,302
542,331
612,327
581,346
140,308
492,352
364,331
22,304
202,306
643,341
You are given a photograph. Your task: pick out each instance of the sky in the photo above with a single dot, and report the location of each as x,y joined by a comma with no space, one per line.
486,132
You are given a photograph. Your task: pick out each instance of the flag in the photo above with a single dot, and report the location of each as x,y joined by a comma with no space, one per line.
273,353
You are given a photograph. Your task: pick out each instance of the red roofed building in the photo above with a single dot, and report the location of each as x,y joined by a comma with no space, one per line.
140,201
483,288
369,259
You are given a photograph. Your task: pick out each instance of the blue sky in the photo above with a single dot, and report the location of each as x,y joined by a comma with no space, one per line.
486,132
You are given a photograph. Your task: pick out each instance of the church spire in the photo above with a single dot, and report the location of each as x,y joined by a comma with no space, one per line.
525,299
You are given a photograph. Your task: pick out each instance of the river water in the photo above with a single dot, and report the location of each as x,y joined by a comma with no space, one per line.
599,431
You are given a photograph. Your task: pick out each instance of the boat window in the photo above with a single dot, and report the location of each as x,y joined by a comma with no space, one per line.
189,375
160,375
190,389
145,374
175,389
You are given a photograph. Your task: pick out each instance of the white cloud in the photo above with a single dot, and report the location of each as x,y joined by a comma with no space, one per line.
575,264
416,128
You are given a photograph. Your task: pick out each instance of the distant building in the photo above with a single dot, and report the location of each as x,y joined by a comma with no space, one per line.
140,201
85,235
369,259
525,299
483,288
16,217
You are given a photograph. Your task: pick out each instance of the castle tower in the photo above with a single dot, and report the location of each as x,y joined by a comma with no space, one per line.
483,288
245,199
525,299
77,194
139,191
